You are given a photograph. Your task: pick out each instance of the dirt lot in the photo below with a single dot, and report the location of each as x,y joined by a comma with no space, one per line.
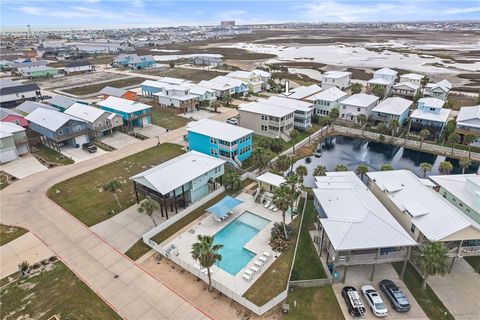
190,74
94,88
77,79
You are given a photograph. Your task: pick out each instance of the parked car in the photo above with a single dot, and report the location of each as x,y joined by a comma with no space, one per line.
374,301
395,295
233,121
90,147
353,301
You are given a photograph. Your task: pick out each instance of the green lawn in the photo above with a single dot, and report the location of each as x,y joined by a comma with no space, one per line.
3,181
474,262
94,88
51,155
137,250
56,291
427,299
313,303
274,280
168,120
307,262
84,197
10,233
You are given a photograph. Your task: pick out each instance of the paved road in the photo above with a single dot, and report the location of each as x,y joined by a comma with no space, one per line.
134,294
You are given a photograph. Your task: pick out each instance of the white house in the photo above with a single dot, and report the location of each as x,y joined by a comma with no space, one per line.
303,110
303,92
406,89
220,89
393,108
204,94
339,79
13,142
468,121
79,66
412,78
327,100
385,78
360,103
430,115
177,96
257,81
438,90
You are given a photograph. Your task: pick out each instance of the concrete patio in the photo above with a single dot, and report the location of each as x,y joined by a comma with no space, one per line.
119,140
79,155
23,167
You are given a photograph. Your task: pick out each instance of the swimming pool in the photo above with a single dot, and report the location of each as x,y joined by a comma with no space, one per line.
234,236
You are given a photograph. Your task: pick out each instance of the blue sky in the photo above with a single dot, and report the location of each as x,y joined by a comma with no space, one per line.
46,14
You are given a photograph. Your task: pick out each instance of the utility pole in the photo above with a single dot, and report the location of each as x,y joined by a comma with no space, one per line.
29,32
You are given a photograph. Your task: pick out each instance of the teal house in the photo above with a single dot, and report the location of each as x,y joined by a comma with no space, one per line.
134,114
134,61
220,140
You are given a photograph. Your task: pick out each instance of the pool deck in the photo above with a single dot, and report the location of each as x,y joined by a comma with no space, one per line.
208,226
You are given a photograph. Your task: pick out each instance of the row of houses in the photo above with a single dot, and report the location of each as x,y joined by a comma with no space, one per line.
133,61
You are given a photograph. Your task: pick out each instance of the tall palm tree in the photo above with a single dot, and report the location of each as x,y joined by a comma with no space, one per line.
465,163
468,139
293,181
362,170
425,167
148,206
341,167
362,120
445,167
453,139
319,171
333,115
206,253
112,186
231,181
386,167
424,81
261,157
215,105
301,171
356,88
432,260
283,162
424,134
282,199
227,99
393,124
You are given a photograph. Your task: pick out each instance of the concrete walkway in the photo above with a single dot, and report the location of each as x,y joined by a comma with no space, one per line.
459,291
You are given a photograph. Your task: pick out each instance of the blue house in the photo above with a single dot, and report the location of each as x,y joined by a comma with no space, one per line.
430,115
134,61
221,140
392,109
241,87
57,129
134,114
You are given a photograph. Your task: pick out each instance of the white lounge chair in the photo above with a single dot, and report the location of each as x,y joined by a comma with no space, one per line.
267,204
271,207
247,277
258,263
263,259
218,219
249,272
255,269
267,255
275,209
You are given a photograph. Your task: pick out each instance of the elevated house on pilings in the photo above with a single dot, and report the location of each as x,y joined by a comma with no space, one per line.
355,228
180,182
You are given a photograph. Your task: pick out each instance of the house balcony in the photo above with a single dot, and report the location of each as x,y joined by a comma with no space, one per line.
368,258
465,251
137,116
70,135
227,147
465,131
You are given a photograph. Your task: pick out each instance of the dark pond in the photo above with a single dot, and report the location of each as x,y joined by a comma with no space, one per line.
355,151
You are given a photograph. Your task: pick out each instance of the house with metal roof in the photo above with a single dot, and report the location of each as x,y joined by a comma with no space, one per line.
327,100
180,181
221,140
267,119
99,122
406,89
57,129
424,213
414,78
468,121
360,103
62,103
177,97
13,142
439,90
303,92
117,92
133,61
303,110
134,114
221,89
254,80
393,108
430,115
240,87
28,107
10,115
385,78
79,66
339,79
355,228
37,72
13,93
268,181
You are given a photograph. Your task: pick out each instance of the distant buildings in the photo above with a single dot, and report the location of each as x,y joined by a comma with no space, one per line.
430,115
117,92
339,79
37,72
227,23
13,93
206,60
79,66
13,142
134,61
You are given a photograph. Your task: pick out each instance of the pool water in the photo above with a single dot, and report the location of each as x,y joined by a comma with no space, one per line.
234,236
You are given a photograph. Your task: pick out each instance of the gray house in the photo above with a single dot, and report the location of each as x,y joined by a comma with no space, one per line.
99,122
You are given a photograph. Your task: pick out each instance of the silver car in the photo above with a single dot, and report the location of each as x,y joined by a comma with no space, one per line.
374,301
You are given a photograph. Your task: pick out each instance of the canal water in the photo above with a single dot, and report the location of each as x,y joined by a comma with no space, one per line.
355,151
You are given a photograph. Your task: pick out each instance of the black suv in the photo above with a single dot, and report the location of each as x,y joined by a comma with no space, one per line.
90,147
395,295
353,301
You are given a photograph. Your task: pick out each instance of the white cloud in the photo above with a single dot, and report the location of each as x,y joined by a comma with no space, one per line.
463,10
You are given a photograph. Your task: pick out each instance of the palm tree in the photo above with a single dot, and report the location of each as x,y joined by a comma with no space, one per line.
356,88
293,181
301,171
453,139
112,186
341,167
215,105
424,81
148,206
379,91
24,268
362,120
261,157
386,167
231,181
282,199
319,171
468,139
227,99
283,162
393,124
425,167
333,115
206,253
362,170
445,167
465,163
432,260
424,134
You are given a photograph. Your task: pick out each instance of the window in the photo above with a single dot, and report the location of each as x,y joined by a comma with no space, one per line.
213,140
344,107
413,228
358,109
460,204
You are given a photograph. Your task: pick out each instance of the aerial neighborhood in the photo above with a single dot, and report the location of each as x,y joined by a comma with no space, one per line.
182,173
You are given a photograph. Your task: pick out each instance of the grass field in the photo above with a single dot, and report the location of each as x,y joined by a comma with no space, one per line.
427,299
10,233
313,303
137,250
168,120
94,88
189,74
3,181
53,291
51,155
83,196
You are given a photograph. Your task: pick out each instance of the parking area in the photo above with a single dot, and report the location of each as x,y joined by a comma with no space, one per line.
23,167
357,276
119,140
151,131
79,155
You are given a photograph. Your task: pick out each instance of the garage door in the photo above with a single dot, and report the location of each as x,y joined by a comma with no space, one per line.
145,122
23,149
81,139
8,155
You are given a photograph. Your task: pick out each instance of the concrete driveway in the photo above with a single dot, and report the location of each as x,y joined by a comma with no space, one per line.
23,167
358,276
119,140
459,291
79,155
151,131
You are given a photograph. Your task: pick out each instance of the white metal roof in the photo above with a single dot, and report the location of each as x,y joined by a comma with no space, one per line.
442,220
215,85
441,116
407,84
330,94
112,91
304,91
178,171
336,74
9,128
240,74
412,76
355,219
393,105
217,129
464,187
229,81
267,109
61,101
198,90
469,116
85,112
123,105
432,102
262,73
386,71
381,81
360,100
271,179
29,106
288,103
171,80
50,119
